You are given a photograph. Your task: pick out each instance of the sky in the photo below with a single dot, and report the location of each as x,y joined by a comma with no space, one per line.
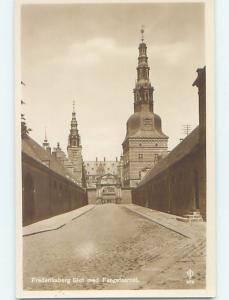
87,53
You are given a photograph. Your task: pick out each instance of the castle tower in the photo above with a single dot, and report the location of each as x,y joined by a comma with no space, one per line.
75,149
145,143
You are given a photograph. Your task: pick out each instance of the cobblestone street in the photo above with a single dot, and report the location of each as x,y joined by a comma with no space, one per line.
111,242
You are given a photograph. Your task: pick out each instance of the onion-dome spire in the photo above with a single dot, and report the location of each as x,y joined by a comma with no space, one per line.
74,137
142,33
45,134
143,91
46,143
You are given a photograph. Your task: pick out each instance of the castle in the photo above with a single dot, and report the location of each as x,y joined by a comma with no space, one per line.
55,182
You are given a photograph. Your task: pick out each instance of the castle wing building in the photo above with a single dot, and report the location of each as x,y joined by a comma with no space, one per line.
97,168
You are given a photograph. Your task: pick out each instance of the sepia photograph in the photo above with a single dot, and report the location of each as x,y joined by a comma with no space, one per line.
115,149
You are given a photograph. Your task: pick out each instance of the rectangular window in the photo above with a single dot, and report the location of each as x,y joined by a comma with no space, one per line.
140,156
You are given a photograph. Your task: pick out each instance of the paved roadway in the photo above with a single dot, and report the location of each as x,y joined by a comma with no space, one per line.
108,242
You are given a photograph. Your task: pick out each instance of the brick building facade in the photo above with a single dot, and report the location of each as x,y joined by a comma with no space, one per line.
73,161
94,169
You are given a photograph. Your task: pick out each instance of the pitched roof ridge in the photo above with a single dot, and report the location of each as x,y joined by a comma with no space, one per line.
42,155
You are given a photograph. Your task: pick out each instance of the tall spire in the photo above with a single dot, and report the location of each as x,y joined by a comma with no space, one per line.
46,143
143,91
74,138
142,33
74,149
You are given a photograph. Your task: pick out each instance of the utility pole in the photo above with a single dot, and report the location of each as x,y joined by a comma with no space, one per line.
186,129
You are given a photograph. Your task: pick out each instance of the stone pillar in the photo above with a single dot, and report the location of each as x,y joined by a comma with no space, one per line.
200,83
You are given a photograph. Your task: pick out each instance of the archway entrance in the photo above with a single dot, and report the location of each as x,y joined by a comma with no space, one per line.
108,189
28,200
108,194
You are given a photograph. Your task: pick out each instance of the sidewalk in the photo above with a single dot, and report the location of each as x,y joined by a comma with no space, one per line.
56,222
193,230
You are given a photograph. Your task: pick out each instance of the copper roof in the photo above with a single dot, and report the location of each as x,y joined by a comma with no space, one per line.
137,126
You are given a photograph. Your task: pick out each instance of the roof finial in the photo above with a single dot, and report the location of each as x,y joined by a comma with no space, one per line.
142,33
45,134
73,105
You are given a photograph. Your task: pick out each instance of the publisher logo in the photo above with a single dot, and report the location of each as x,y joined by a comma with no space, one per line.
190,276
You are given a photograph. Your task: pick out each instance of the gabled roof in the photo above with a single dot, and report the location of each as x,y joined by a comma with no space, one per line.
108,166
38,153
180,151
107,175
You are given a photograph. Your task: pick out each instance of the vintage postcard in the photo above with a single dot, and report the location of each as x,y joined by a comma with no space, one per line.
115,149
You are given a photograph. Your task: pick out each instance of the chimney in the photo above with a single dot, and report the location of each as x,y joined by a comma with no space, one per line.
104,159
